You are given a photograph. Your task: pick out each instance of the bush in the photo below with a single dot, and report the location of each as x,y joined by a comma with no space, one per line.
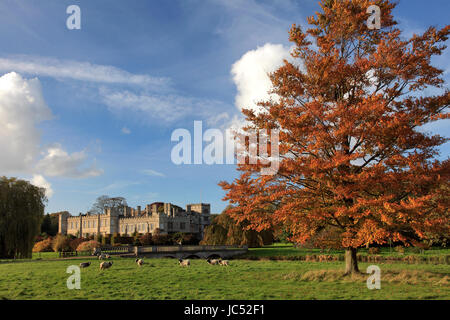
61,243
88,245
75,243
106,240
43,246
39,238
115,239
374,250
146,239
126,240
400,249
99,238
190,239
161,239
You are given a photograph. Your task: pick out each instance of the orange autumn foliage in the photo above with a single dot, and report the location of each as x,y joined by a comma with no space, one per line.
352,154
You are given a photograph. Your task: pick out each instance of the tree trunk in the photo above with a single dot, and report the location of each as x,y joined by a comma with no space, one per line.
351,262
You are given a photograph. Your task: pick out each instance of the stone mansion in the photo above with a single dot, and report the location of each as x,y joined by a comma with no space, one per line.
166,217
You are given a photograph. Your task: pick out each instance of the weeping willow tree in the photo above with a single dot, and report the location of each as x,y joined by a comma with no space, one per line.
225,231
21,213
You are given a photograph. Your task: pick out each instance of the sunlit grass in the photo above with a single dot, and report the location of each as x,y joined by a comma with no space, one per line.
165,279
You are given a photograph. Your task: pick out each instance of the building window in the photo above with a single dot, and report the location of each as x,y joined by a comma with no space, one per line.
170,225
182,225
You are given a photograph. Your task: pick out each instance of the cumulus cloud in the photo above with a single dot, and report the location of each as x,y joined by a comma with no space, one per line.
250,74
76,70
22,108
39,181
125,130
57,162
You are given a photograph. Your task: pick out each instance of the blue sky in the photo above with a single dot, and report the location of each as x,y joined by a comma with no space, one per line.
108,96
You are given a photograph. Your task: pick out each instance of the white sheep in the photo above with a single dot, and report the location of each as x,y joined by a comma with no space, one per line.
184,263
105,265
213,261
224,263
140,262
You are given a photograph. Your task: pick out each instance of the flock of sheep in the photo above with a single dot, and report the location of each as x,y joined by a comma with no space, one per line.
140,262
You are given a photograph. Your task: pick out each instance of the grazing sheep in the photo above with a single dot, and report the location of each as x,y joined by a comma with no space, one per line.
107,256
184,263
101,256
224,263
213,261
105,265
85,264
140,262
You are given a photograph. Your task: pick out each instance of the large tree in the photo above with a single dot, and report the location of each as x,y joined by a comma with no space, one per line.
50,223
353,155
103,202
223,230
21,213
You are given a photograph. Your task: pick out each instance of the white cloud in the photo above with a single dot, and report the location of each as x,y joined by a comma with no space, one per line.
39,181
250,74
57,162
169,108
125,130
151,172
22,108
75,70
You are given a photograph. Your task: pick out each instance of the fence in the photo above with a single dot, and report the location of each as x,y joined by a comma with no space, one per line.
116,250
166,249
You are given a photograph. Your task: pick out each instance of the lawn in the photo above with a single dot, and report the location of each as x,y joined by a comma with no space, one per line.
288,250
243,279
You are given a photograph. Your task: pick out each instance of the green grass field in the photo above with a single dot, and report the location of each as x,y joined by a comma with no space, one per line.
280,250
243,279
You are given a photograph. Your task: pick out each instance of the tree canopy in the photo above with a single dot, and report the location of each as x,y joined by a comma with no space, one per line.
103,202
352,153
223,230
21,213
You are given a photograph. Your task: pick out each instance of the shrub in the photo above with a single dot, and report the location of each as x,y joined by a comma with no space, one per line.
99,238
374,250
115,239
75,243
43,246
61,243
126,240
190,239
88,245
106,240
146,239
416,250
161,239
400,249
